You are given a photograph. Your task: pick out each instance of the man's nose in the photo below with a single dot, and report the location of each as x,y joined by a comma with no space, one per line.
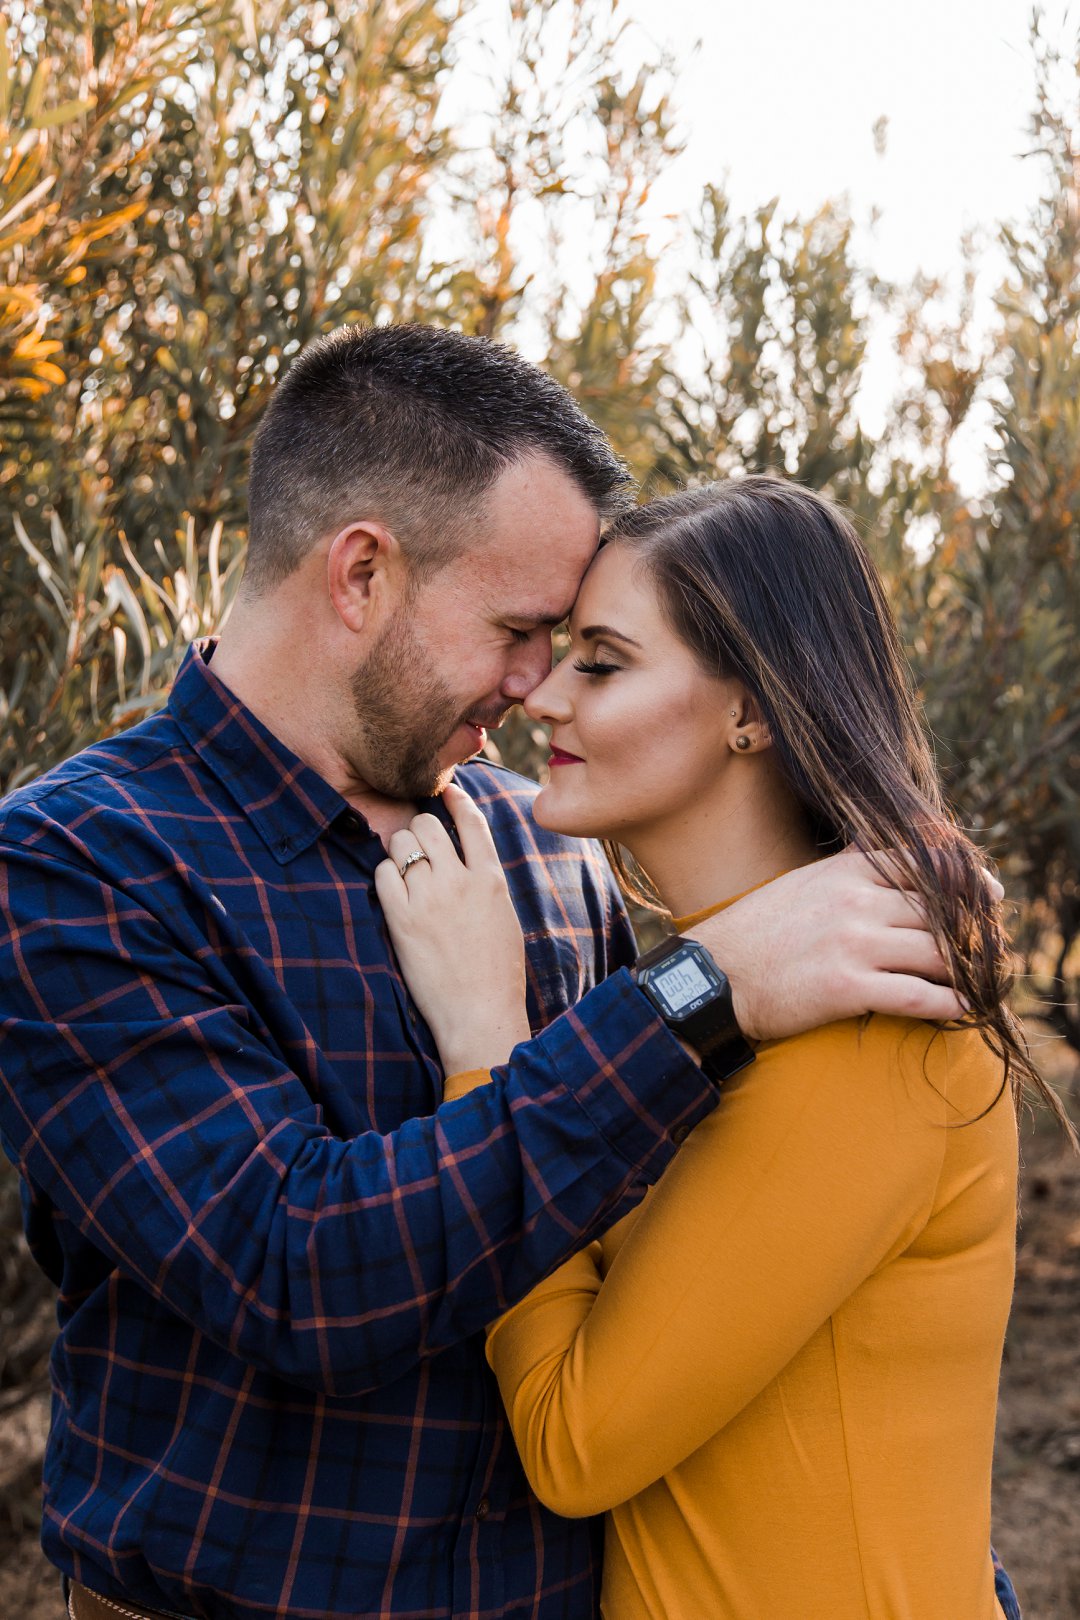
531,668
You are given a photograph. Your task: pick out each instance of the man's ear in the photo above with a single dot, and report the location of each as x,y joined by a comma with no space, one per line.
364,572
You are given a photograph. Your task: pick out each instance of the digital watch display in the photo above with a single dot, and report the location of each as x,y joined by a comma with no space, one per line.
693,997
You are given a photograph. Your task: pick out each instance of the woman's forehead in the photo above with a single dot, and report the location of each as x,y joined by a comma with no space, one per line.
612,577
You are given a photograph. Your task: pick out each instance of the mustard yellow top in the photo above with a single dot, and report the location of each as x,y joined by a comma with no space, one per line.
778,1376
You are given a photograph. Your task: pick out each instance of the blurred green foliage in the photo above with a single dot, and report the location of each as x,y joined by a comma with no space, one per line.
189,192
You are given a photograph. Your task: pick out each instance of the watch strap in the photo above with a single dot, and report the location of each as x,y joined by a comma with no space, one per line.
725,1056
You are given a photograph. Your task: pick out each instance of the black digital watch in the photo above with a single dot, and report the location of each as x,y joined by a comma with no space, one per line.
693,997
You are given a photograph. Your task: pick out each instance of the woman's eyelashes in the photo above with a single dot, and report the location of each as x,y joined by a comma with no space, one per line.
595,666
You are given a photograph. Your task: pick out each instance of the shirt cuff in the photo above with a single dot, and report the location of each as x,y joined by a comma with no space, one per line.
628,1072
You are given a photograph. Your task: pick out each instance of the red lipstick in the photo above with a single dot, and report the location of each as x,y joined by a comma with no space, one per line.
559,756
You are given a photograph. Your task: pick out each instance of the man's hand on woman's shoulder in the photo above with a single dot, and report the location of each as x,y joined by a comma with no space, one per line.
829,941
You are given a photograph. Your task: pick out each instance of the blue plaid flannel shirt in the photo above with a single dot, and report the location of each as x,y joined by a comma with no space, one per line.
275,1251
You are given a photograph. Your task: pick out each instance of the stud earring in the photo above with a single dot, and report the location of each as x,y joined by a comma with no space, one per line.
742,742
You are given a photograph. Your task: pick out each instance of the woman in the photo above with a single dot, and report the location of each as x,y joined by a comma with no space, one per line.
778,1376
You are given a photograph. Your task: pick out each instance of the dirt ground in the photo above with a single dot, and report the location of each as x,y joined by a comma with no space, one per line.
1037,1458
1037,1471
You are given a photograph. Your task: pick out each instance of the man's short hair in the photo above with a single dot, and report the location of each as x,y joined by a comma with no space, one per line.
410,425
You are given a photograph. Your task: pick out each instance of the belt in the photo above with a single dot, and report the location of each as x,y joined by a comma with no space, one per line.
82,1604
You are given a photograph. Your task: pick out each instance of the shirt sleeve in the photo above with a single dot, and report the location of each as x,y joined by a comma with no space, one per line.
821,1161
157,1114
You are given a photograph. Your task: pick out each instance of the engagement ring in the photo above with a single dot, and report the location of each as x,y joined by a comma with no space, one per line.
411,860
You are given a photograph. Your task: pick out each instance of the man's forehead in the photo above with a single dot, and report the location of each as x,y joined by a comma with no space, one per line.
540,589
526,607
546,615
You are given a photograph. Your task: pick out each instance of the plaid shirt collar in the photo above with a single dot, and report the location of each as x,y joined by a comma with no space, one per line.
289,804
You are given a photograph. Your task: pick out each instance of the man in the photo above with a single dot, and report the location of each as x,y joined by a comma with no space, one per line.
275,1250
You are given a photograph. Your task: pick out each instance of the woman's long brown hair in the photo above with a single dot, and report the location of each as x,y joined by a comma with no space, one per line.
769,583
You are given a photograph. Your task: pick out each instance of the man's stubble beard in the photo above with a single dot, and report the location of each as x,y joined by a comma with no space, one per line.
405,713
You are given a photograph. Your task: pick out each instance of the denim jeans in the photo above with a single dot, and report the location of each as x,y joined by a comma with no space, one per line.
1004,1590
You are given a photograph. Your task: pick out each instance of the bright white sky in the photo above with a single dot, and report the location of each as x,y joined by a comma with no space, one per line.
780,98
783,96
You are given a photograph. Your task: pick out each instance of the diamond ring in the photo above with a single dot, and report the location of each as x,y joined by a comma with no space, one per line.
411,860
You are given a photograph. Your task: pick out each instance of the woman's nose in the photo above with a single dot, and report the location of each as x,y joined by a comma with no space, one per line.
549,702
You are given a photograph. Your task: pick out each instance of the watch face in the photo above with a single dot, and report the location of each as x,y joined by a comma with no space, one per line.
693,996
681,985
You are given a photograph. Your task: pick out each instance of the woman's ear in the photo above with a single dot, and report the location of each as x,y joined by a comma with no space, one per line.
747,731
363,575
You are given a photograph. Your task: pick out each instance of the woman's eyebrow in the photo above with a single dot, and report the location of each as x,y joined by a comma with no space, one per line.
593,631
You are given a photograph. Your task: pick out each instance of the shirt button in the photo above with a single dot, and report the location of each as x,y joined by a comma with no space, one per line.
679,1134
483,1508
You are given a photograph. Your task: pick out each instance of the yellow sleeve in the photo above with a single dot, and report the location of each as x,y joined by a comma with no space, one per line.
820,1163
459,1085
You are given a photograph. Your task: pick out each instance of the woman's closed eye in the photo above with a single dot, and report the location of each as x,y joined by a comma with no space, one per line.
595,666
